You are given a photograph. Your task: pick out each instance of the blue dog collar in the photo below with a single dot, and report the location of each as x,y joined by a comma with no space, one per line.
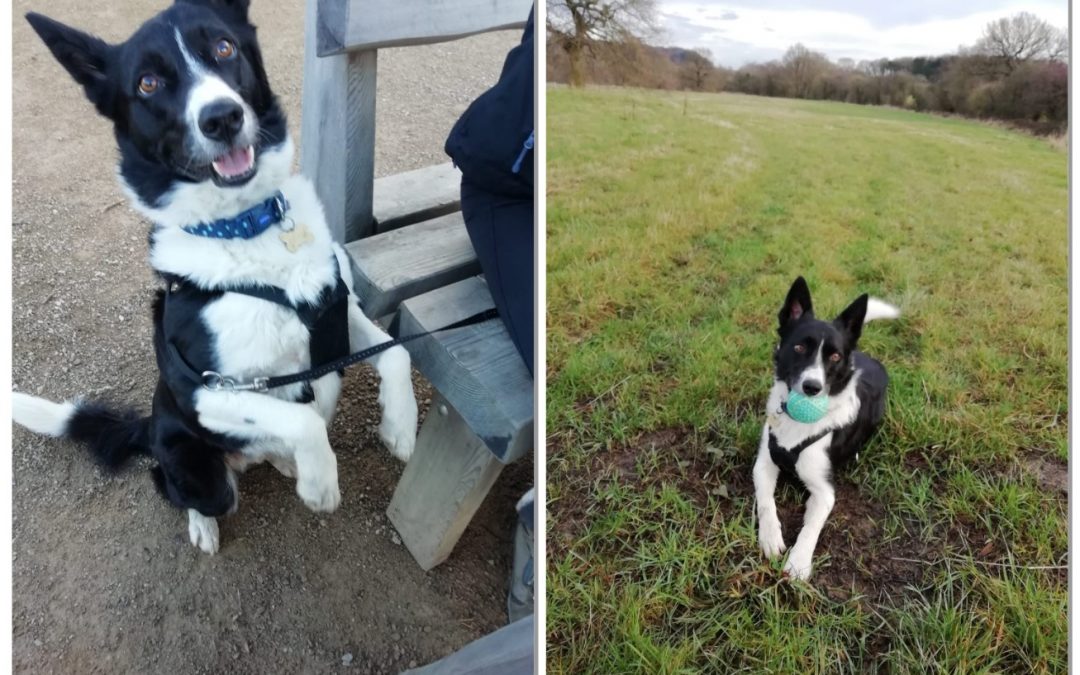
247,224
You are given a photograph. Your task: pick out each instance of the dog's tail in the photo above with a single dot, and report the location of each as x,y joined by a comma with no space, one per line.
113,436
879,309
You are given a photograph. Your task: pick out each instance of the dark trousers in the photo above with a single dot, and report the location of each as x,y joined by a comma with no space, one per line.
501,229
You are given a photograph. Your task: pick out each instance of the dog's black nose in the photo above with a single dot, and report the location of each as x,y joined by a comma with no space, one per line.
811,387
221,120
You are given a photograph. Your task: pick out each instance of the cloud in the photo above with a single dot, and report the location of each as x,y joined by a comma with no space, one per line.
839,28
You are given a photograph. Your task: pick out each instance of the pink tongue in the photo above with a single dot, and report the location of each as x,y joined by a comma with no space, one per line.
234,163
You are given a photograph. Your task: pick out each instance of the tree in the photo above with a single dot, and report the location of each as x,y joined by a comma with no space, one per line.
803,68
697,68
1023,37
576,24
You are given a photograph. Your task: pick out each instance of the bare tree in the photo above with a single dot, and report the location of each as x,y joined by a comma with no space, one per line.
1021,38
803,68
697,68
576,24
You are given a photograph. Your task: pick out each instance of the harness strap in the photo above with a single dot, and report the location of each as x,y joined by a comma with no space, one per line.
218,382
308,313
311,315
787,458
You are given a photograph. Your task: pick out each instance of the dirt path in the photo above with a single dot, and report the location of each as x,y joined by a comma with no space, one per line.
104,578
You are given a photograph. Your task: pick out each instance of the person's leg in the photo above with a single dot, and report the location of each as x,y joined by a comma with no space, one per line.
501,231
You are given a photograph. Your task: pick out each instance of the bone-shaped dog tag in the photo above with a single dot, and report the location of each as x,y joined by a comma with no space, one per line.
296,237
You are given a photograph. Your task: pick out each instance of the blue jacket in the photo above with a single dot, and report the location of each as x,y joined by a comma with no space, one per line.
492,142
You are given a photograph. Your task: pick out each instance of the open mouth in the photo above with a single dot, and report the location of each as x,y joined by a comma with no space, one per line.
236,166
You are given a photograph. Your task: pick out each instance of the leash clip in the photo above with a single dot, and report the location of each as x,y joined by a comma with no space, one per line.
213,381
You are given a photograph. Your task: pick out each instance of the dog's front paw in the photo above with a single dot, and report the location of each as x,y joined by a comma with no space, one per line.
203,532
398,427
798,565
771,538
320,490
286,466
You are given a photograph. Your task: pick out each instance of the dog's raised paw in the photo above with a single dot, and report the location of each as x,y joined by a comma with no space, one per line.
285,466
399,442
319,496
398,429
203,532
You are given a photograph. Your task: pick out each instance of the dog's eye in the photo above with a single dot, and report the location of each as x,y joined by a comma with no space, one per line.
148,84
225,49
835,357
799,349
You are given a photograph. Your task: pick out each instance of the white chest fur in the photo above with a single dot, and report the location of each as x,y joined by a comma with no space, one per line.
253,337
843,408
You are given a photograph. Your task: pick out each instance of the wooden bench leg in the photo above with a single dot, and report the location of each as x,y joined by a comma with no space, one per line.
442,486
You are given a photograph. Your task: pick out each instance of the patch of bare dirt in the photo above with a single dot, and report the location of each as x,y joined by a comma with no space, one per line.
1051,473
860,559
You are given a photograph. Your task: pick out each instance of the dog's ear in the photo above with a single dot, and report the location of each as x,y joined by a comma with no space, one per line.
230,9
84,56
797,305
851,319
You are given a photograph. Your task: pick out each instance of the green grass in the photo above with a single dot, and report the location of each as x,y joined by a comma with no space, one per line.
675,226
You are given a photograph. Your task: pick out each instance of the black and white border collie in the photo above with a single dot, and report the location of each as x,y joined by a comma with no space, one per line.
202,139
815,356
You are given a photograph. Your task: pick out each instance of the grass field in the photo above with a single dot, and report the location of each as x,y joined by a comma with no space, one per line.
675,226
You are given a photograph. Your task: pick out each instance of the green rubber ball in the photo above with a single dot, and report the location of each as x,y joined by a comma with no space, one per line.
807,409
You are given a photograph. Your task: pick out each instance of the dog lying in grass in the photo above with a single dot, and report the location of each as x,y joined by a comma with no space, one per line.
827,401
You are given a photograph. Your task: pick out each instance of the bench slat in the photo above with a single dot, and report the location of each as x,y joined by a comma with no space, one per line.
410,197
395,265
477,368
348,25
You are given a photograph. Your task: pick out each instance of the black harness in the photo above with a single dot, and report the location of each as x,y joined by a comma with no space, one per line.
327,319
787,458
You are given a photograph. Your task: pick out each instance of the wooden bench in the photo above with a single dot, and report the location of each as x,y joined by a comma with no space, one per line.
413,262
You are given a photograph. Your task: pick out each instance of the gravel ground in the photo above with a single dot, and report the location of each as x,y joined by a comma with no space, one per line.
104,578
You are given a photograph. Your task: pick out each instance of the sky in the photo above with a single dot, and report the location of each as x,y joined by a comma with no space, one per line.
743,31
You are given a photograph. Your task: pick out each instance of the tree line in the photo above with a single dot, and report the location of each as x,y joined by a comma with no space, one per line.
1016,72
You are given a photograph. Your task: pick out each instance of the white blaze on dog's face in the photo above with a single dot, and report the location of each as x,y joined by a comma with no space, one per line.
813,355
188,96
222,127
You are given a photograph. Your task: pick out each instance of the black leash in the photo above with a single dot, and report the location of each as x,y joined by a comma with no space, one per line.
214,381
